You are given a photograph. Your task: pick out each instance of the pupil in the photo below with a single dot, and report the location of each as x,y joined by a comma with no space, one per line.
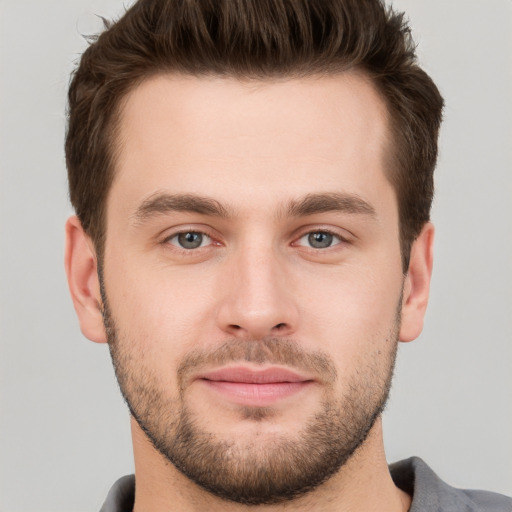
190,240
320,240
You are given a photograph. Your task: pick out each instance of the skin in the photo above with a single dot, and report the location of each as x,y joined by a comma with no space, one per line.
254,147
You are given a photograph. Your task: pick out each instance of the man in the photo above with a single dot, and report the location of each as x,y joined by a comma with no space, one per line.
252,183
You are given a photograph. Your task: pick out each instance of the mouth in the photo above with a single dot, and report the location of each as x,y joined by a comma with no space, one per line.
255,387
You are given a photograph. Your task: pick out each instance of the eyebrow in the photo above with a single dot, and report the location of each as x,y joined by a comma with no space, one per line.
329,202
311,204
162,203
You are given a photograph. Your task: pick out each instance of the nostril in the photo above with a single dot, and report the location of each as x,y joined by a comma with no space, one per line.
280,326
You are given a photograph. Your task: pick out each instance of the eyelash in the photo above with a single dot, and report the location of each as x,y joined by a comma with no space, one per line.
295,243
168,239
340,238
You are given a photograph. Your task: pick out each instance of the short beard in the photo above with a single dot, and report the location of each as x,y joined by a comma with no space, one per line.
266,470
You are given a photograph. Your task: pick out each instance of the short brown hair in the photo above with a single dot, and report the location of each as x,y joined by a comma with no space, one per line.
257,39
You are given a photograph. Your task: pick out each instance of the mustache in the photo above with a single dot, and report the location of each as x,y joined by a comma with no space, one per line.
277,351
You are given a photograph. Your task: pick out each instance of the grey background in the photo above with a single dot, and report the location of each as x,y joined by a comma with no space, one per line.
64,435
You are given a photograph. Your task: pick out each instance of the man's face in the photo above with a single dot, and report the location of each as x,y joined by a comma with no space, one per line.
252,276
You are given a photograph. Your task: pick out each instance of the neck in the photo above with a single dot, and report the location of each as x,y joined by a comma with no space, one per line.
362,484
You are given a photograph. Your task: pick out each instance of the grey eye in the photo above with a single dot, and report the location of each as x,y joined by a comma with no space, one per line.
320,240
190,240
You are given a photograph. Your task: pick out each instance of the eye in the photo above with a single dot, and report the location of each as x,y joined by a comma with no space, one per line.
190,240
319,239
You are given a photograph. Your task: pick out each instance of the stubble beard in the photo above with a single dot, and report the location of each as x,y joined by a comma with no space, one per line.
264,471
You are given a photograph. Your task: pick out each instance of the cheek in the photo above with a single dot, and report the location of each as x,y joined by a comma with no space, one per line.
161,310
356,311
367,293
148,336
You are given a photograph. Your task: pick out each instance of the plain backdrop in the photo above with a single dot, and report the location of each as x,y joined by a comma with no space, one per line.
64,435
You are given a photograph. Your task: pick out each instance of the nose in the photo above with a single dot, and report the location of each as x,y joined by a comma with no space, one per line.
258,298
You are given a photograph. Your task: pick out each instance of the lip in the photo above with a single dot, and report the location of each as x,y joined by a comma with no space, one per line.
254,387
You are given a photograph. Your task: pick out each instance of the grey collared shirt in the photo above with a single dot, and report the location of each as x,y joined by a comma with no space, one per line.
429,493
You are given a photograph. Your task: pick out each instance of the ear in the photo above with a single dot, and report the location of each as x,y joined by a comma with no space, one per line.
417,284
82,272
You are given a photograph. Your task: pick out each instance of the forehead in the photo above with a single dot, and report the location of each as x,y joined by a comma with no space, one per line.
249,139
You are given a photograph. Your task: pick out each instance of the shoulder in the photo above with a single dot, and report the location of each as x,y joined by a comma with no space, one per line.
121,496
431,494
